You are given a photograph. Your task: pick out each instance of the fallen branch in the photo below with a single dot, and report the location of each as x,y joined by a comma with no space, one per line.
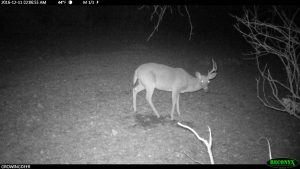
208,143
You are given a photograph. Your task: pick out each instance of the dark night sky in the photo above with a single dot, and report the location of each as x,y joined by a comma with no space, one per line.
206,19
210,23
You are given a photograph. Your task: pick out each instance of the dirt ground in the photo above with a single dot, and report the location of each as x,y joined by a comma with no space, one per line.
69,100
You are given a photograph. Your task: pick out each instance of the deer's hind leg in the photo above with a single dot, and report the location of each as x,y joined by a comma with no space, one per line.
149,94
135,91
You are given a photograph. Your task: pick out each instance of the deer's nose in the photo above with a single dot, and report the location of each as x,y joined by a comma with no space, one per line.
206,89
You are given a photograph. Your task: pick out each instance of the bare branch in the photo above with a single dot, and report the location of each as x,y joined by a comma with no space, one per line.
208,143
179,10
269,146
159,11
279,40
191,158
143,6
191,26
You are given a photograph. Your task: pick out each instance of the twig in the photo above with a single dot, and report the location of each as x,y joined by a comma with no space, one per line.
190,22
192,158
269,146
159,11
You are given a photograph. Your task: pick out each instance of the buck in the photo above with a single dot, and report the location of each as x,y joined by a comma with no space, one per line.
152,76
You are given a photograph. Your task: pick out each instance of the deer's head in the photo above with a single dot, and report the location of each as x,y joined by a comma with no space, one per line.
205,79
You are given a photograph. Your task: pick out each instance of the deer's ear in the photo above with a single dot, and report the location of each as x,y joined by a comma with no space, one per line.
198,75
211,76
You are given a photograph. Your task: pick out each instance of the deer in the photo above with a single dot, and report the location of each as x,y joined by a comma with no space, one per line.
152,76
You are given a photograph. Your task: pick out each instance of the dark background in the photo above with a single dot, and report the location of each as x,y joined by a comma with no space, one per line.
209,22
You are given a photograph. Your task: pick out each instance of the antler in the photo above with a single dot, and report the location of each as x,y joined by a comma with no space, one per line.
214,67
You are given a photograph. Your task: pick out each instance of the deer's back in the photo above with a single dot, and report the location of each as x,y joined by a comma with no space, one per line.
162,76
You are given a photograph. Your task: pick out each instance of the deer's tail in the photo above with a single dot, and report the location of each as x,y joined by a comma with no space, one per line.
135,77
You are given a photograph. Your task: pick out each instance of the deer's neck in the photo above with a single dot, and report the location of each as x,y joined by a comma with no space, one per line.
193,85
